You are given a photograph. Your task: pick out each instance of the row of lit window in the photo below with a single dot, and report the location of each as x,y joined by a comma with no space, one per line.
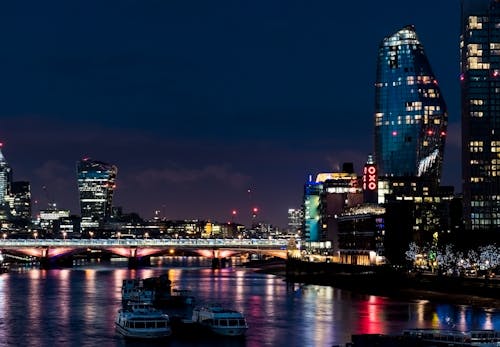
474,50
483,221
430,93
477,63
489,200
476,22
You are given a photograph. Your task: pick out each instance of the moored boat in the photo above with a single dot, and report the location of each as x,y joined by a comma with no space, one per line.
220,320
142,321
430,338
440,337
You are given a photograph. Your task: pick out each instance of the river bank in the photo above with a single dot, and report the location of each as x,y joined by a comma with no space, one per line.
461,291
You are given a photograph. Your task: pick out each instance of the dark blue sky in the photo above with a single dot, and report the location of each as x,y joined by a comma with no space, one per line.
198,101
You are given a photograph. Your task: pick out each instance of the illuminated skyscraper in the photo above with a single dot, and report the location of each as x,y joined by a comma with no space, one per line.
480,84
5,178
410,113
96,184
20,200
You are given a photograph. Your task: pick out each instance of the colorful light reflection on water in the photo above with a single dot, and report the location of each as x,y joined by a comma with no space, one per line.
77,306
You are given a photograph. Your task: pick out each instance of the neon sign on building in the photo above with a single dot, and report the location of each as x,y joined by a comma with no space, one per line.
370,177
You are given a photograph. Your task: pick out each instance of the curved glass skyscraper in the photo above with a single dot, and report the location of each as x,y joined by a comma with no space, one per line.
410,113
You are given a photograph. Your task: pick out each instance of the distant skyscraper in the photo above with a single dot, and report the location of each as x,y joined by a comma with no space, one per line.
480,83
5,178
96,184
410,113
20,200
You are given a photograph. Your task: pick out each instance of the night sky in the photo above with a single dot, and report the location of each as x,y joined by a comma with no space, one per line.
197,102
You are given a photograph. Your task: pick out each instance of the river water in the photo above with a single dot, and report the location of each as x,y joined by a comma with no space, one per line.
77,307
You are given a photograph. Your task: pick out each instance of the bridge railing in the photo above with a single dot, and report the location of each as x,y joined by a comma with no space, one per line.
240,243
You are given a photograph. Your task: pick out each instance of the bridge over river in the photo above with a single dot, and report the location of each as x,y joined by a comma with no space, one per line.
139,251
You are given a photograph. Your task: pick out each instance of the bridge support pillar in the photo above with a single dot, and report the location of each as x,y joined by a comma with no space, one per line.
217,261
137,262
47,263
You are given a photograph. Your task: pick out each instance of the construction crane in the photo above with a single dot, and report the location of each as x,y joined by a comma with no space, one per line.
51,204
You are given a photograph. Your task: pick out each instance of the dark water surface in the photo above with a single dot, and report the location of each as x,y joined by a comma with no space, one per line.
77,307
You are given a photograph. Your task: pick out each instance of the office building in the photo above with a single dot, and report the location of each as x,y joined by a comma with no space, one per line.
324,200
480,95
295,217
410,112
96,185
20,200
5,179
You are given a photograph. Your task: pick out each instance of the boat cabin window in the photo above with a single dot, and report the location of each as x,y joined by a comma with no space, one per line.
233,322
140,325
223,322
146,325
241,322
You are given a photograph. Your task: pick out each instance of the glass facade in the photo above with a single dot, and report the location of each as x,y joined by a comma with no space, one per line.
96,184
20,203
312,192
410,113
5,177
480,87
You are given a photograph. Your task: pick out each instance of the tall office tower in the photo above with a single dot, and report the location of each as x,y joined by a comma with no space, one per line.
20,200
410,113
96,184
5,178
480,85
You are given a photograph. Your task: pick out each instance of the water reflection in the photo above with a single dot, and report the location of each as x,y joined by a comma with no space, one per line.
78,306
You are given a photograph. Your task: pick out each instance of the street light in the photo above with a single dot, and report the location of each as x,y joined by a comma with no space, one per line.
91,233
146,235
64,235
35,234
4,236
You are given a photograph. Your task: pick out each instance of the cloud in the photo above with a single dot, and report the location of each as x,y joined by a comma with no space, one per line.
221,173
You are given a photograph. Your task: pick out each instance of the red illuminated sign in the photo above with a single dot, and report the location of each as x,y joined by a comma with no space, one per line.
370,177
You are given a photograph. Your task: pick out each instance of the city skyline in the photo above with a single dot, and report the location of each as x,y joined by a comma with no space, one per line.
205,108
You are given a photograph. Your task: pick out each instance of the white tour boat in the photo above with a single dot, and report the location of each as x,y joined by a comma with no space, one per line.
439,337
220,320
142,320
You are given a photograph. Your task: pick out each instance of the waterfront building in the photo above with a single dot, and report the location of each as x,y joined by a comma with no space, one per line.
480,96
416,212
96,185
361,235
410,112
325,198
